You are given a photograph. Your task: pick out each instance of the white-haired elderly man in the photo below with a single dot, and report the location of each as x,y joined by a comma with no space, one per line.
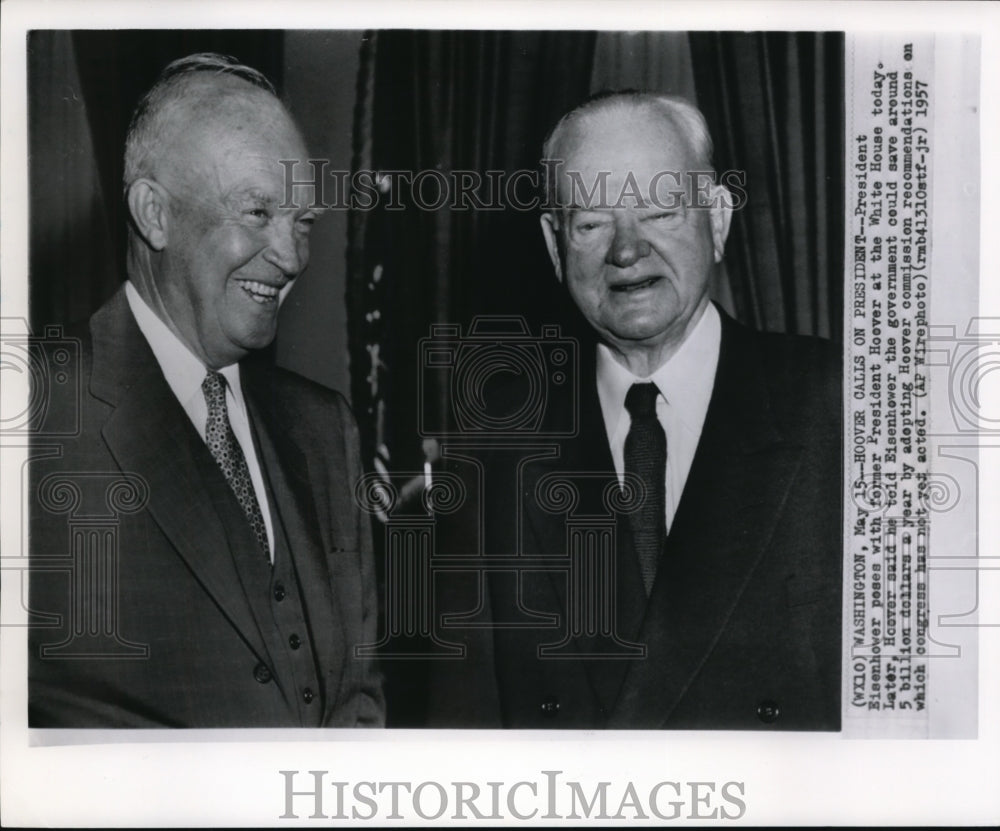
719,606
238,576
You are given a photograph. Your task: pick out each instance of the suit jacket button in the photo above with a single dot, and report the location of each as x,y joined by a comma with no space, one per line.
261,674
307,695
294,641
550,707
279,592
768,711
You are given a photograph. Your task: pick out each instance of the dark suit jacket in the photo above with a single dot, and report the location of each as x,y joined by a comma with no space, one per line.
172,628
742,627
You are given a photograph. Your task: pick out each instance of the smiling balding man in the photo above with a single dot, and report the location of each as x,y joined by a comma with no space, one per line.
238,578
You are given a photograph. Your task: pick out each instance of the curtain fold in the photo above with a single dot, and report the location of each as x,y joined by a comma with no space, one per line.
650,61
71,246
774,105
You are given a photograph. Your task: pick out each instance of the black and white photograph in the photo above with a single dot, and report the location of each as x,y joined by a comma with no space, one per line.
498,418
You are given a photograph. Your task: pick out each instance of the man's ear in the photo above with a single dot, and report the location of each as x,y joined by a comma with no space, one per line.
721,217
148,204
550,230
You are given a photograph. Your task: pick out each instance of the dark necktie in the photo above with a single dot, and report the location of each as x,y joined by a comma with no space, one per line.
646,457
226,450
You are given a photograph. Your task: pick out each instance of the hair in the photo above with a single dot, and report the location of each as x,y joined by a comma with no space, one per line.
172,88
685,115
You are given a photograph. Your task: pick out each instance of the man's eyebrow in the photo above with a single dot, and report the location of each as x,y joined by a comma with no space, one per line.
252,195
258,197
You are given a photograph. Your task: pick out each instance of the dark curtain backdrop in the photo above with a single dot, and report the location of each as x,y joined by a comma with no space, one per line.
448,101
83,86
774,103
484,100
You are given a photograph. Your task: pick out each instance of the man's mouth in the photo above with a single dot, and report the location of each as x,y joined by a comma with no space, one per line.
261,292
642,284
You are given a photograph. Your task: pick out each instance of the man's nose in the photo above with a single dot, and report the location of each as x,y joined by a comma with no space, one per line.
628,245
286,250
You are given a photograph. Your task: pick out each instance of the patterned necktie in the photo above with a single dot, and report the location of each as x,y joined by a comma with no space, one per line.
226,450
646,457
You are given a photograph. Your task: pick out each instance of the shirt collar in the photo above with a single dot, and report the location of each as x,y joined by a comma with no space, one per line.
685,380
183,371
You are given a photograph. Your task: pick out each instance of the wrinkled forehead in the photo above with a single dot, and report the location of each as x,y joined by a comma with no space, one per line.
621,149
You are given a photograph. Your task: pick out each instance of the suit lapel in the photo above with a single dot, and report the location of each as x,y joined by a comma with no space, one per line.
734,494
148,433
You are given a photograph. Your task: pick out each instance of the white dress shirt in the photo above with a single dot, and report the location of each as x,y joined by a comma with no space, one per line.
185,373
685,383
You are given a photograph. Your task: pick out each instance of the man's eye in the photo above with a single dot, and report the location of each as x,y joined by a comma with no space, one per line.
664,216
305,223
261,214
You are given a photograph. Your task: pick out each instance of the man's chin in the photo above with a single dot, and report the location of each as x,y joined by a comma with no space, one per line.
257,343
249,341
640,332
645,329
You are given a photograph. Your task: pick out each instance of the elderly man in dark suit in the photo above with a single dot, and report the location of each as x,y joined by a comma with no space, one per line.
198,559
719,605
